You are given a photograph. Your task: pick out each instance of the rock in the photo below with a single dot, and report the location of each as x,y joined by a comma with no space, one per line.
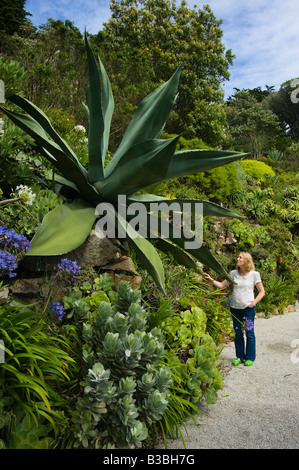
93,252
30,287
230,239
37,289
4,293
135,281
123,269
124,263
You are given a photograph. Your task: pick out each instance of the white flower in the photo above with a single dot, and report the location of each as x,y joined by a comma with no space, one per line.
80,128
25,193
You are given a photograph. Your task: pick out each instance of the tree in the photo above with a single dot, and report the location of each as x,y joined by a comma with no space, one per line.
50,58
252,126
257,93
12,16
156,36
286,107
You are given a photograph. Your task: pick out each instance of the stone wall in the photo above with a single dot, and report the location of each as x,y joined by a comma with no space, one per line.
36,277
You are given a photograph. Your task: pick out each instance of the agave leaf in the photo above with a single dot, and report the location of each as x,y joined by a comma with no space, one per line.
42,119
146,253
63,229
188,162
149,119
61,180
143,164
108,108
96,118
201,253
100,110
70,168
209,208
181,256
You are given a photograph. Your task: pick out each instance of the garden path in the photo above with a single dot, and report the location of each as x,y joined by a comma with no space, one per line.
258,407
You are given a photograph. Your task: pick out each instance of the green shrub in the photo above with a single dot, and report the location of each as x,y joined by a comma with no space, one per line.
276,155
249,235
257,169
278,294
217,184
26,219
196,372
37,369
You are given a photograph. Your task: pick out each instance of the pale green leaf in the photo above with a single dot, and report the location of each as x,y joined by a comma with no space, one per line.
63,229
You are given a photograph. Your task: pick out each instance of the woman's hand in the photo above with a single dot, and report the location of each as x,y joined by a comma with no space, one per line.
219,285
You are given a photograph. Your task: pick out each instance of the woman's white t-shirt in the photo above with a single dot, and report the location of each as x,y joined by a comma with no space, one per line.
243,291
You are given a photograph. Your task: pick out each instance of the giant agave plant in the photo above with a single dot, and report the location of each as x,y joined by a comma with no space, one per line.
141,160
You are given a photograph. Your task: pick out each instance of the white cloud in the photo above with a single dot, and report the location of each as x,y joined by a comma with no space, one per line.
263,35
90,14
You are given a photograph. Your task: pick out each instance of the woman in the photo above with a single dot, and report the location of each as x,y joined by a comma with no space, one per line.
242,306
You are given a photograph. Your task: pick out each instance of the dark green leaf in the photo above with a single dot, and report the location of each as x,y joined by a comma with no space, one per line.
146,252
188,162
144,164
51,151
149,119
96,124
209,208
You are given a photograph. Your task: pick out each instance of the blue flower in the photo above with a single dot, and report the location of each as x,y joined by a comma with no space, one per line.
7,264
14,241
247,324
67,271
58,309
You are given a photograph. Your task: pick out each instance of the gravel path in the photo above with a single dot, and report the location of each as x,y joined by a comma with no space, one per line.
258,407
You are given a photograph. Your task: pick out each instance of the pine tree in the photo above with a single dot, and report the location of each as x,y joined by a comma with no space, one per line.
12,16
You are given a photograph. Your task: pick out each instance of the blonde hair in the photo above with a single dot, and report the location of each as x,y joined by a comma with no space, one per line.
248,261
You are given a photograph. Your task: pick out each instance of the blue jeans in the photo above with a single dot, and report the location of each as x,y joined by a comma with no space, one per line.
243,321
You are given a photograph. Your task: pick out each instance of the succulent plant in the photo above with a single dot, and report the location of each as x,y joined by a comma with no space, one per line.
141,160
126,388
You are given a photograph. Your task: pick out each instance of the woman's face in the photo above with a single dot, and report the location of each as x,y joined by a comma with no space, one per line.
240,260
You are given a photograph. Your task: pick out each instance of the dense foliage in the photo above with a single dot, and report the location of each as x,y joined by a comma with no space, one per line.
103,368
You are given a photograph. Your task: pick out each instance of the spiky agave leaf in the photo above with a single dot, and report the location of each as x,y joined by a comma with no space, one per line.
99,111
51,145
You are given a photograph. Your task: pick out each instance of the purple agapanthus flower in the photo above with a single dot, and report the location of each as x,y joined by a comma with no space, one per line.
67,271
12,240
7,264
247,324
58,309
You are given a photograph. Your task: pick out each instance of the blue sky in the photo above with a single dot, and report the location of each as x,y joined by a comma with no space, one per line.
262,34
